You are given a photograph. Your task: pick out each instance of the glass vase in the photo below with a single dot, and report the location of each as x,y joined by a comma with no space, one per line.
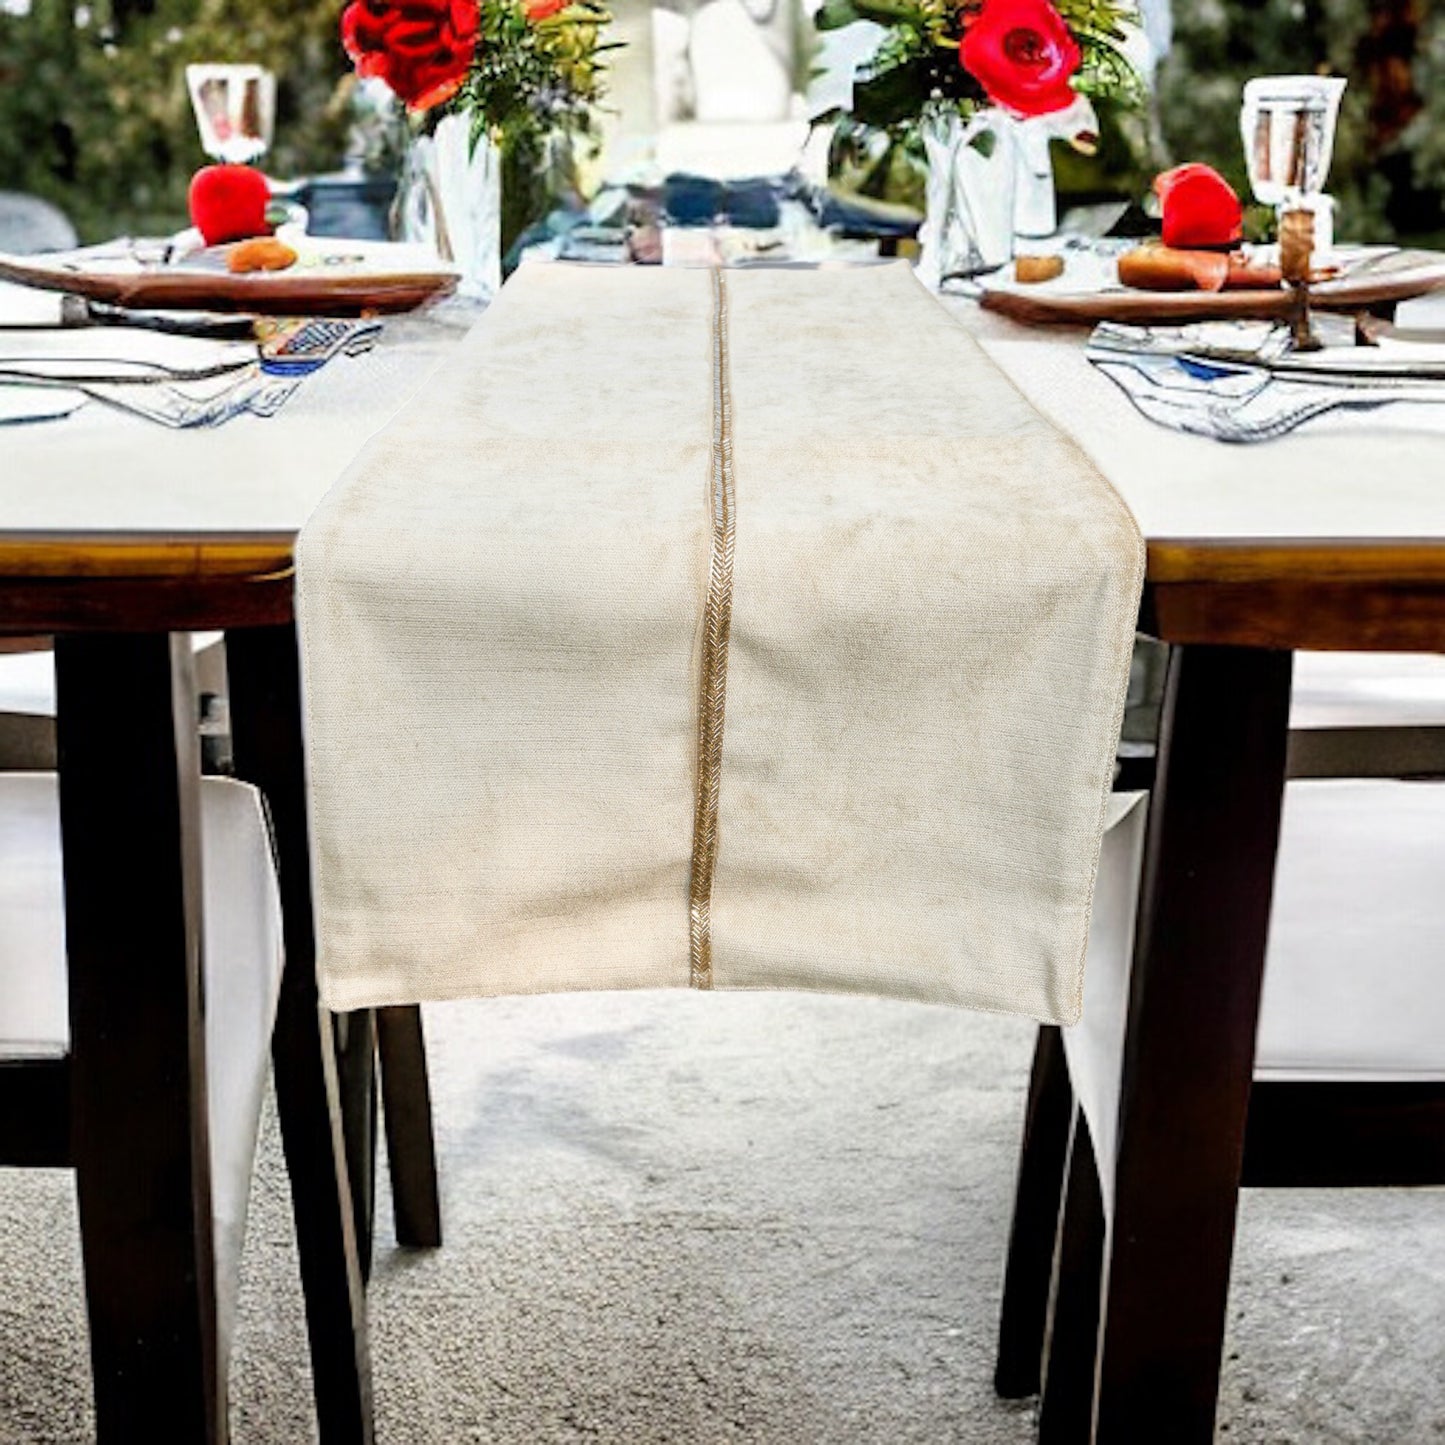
450,199
968,226
1035,202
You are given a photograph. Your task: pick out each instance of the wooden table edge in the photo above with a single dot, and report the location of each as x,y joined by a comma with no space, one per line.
199,556
1311,594
72,556
1358,560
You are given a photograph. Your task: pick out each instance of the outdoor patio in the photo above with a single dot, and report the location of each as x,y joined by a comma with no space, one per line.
750,1218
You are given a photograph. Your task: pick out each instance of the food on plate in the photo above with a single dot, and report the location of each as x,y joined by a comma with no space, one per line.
1247,275
1169,268
228,203
1163,268
264,253
1200,207
1030,270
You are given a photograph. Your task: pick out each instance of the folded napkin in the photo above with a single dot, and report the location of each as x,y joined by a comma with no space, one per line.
1243,382
49,372
736,629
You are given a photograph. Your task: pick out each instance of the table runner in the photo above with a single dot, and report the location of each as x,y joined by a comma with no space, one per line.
739,629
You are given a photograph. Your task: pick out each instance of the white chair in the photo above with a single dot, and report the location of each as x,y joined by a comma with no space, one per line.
1353,985
1350,1063
29,225
27,742
1367,715
27,683
243,959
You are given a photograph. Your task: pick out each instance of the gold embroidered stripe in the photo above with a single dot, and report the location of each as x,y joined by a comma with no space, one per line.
717,623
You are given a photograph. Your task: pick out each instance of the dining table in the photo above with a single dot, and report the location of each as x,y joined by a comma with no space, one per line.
118,538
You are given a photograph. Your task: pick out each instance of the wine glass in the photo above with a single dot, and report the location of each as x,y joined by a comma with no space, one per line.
1287,123
235,108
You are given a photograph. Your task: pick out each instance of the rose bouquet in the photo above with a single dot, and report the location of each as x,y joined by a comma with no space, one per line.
517,67
502,89
1027,57
976,89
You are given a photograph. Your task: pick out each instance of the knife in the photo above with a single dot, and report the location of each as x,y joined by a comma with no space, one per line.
79,311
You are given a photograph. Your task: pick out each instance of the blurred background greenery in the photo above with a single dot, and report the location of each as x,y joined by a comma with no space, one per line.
94,113
1389,166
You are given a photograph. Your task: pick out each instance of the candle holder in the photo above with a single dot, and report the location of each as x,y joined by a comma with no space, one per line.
1296,257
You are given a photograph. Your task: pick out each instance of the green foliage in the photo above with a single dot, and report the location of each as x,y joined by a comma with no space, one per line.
1425,133
94,113
916,65
534,90
533,79
1098,20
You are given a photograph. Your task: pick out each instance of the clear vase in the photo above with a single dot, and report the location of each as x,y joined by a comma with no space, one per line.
968,226
1035,204
1036,212
450,199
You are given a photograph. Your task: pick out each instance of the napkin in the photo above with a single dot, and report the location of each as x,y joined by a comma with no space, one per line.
1242,382
174,381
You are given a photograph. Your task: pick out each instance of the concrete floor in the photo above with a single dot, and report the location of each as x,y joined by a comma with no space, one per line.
768,1218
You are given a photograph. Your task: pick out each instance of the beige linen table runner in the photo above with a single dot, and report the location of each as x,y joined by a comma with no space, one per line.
740,629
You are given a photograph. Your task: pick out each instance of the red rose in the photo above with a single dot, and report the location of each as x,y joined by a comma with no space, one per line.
544,9
1023,55
420,48
1200,207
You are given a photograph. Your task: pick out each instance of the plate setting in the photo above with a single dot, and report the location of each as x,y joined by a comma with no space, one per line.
330,278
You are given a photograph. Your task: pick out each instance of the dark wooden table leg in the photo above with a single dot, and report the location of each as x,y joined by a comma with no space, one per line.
1067,1409
1189,1050
1037,1197
130,820
355,1034
265,687
410,1144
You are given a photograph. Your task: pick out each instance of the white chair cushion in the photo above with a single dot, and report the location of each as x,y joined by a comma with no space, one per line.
1367,689
729,150
1354,983
242,955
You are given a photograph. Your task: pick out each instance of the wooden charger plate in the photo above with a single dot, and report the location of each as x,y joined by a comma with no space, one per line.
1372,278
368,284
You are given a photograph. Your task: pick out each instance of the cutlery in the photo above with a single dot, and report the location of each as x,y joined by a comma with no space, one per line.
24,372
78,312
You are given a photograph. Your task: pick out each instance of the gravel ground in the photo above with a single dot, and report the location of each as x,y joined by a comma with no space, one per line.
767,1218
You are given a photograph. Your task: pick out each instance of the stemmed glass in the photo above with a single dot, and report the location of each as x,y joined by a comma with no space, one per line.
235,108
1287,123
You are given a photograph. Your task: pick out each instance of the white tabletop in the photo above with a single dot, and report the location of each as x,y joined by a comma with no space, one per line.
1367,476
103,471
1376,477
